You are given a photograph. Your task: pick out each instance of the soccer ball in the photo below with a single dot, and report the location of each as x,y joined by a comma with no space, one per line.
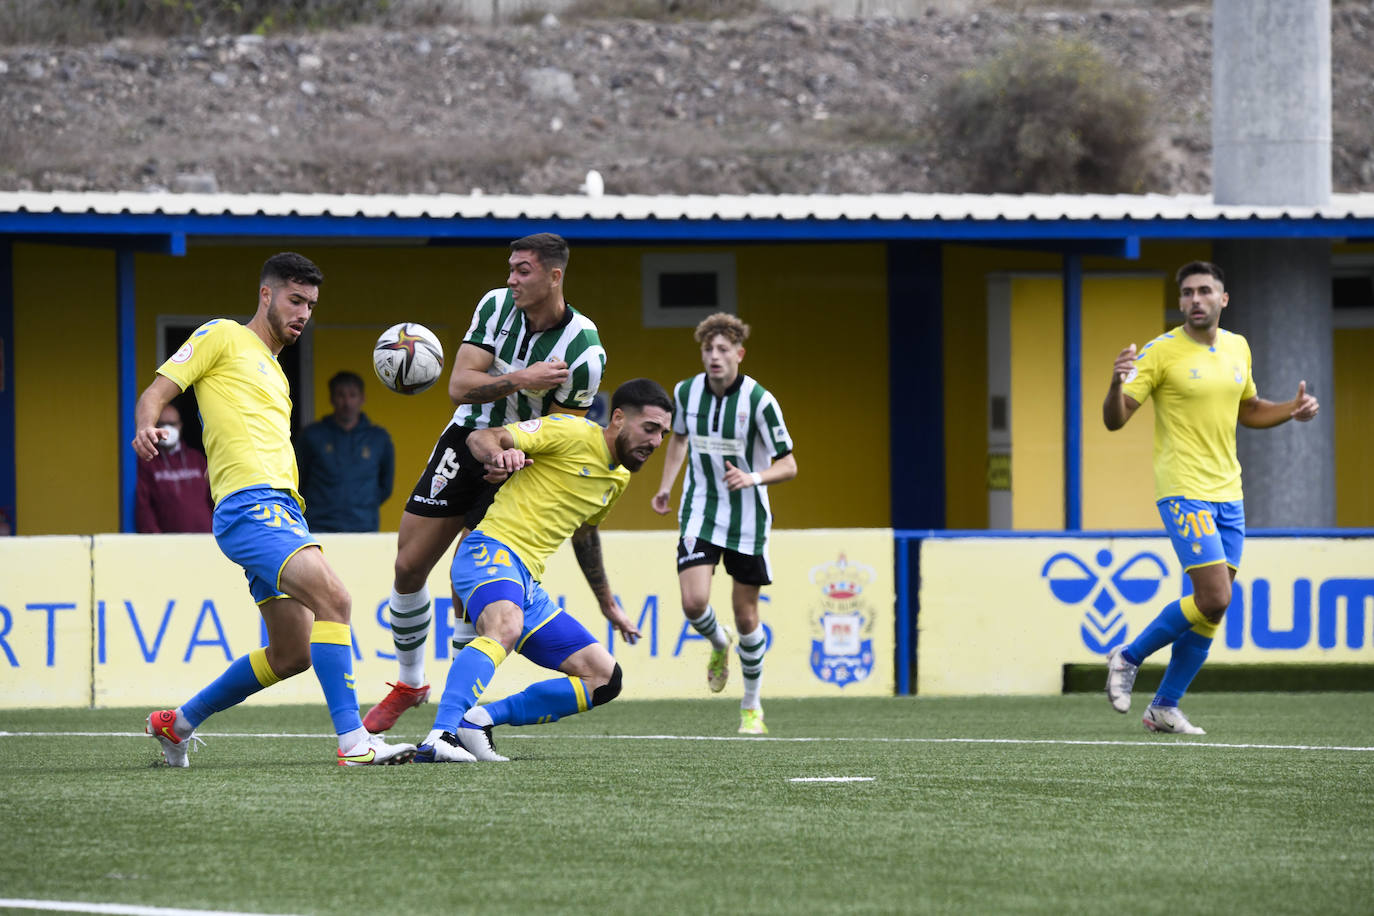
408,358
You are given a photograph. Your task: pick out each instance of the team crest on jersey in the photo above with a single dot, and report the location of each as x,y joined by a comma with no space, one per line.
528,426
843,654
183,354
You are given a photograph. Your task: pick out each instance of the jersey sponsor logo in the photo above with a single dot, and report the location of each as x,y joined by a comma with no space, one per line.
183,354
843,654
529,426
712,446
1074,582
1130,376
780,433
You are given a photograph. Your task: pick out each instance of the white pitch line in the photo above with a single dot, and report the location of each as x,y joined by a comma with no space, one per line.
123,909
831,779
1062,742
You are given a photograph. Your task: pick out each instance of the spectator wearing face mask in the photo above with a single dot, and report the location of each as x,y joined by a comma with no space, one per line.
173,491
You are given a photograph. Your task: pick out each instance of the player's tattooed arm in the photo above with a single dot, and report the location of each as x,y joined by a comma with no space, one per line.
472,382
492,392
586,543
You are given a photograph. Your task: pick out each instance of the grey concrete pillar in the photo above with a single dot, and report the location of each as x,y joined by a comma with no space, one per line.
1271,145
1271,102
1281,302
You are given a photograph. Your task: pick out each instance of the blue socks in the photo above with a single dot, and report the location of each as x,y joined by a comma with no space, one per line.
238,682
546,701
468,676
1164,629
331,655
1190,651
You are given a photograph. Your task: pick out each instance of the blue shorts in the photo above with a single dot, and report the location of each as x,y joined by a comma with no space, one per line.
486,570
1204,533
260,529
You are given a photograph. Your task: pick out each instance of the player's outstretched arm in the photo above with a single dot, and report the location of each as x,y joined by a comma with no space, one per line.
1257,413
586,543
672,463
471,381
147,434
1117,406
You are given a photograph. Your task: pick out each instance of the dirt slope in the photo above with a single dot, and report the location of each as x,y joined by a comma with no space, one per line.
763,105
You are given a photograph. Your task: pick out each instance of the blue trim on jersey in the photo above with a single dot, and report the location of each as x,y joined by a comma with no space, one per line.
1204,532
260,528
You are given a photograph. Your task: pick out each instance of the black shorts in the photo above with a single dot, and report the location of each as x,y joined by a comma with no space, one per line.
452,483
744,568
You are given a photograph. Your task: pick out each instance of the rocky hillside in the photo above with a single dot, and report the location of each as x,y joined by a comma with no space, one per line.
760,105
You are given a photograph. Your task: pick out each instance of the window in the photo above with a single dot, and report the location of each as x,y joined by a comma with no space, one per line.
679,290
1352,290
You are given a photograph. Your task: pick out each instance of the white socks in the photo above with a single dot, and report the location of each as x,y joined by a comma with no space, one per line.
707,626
410,618
751,649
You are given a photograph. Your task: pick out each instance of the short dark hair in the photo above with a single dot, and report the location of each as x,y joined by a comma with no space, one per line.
552,250
1199,267
345,378
289,267
639,393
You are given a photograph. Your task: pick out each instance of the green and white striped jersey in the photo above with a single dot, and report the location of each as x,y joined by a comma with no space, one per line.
744,427
500,328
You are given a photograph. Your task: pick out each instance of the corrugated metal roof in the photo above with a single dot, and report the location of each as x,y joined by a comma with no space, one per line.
896,207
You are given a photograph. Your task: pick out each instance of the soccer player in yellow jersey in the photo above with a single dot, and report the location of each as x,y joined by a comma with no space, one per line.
565,473
245,402
1200,378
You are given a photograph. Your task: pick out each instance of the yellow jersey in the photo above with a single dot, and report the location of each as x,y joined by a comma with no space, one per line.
573,480
1198,391
245,403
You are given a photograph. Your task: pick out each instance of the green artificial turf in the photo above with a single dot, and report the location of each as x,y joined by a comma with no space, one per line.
985,805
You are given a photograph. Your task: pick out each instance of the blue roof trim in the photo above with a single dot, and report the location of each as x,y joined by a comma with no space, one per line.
1126,232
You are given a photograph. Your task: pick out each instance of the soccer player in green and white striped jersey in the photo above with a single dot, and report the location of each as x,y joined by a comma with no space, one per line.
526,354
738,441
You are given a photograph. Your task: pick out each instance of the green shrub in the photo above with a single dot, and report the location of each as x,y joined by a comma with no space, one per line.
1046,117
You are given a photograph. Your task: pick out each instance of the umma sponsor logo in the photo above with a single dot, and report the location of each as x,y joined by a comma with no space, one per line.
843,620
1342,614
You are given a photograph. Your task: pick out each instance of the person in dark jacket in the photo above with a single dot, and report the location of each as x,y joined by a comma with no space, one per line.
346,463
